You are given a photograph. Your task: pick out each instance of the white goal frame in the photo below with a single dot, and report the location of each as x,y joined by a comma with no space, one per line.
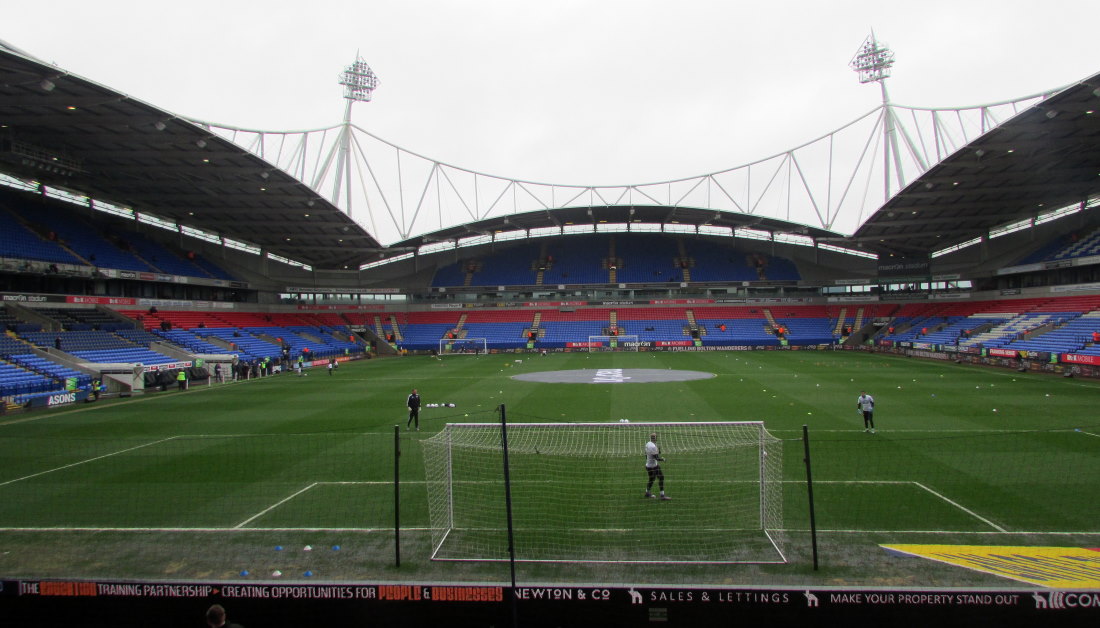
464,477
623,342
481,348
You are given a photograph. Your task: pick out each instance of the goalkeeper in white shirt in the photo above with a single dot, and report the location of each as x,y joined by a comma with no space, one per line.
865,405
653,468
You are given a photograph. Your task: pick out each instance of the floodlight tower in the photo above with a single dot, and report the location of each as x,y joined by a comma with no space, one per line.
359,82
872,62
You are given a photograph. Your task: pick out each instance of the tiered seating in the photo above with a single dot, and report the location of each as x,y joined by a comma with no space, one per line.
22,243
646,258
179,320
159,257
1018,324
511,266
9,322
335,321
424,329
651,324
565,327
744,325
16,381
246,343
577,261
1086,324
717,262
98,346
192,342
1066,248
326,337
212,269
82,319
70,229
499,328
49,368
139,336
82,238
324,346
807,324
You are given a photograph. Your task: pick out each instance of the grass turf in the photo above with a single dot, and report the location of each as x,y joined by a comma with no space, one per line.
207,483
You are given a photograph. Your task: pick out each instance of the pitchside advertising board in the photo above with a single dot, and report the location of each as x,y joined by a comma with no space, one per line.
59,399
273,603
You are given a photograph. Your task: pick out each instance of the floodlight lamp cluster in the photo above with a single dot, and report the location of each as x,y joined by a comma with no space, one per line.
872,61
359,81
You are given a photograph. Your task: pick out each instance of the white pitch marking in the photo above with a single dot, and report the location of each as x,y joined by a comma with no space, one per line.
963,508
74,464
274,506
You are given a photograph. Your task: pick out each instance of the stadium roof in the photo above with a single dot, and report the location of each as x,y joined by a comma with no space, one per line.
1046,157
67,131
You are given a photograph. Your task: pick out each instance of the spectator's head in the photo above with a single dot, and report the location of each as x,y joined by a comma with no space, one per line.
215,616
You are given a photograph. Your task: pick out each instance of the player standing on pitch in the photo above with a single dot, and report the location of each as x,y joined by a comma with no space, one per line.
414,410
653,468
865,404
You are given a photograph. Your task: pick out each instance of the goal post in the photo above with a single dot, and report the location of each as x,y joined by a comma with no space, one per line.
622,342
463,346
578,493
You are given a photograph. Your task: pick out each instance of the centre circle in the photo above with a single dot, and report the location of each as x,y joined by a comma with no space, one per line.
612,376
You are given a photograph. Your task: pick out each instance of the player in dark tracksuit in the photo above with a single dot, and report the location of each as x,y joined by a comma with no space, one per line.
414,410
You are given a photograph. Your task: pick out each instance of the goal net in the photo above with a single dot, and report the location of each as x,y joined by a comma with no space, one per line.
578,493
622,342
463,346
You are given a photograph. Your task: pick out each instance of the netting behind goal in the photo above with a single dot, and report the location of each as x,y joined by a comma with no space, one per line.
578,493
622,342
463,346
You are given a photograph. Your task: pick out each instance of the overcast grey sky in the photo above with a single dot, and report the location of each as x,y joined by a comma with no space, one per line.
572,92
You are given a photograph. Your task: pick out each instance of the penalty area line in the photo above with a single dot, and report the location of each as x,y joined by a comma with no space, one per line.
80,462
962,508
274,506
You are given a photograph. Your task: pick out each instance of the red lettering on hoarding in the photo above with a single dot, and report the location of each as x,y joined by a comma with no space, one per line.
1076,358
67,589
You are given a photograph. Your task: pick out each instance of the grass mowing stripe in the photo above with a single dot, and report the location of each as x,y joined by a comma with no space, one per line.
963,508
78,463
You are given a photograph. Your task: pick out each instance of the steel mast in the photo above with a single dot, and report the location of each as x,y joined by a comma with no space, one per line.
359,82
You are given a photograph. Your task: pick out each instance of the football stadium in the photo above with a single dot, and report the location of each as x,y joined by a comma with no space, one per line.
312,373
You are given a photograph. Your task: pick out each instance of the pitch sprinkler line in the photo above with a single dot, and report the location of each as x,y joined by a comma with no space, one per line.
963,508
78,463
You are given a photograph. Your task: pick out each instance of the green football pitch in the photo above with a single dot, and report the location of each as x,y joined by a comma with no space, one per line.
244,477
